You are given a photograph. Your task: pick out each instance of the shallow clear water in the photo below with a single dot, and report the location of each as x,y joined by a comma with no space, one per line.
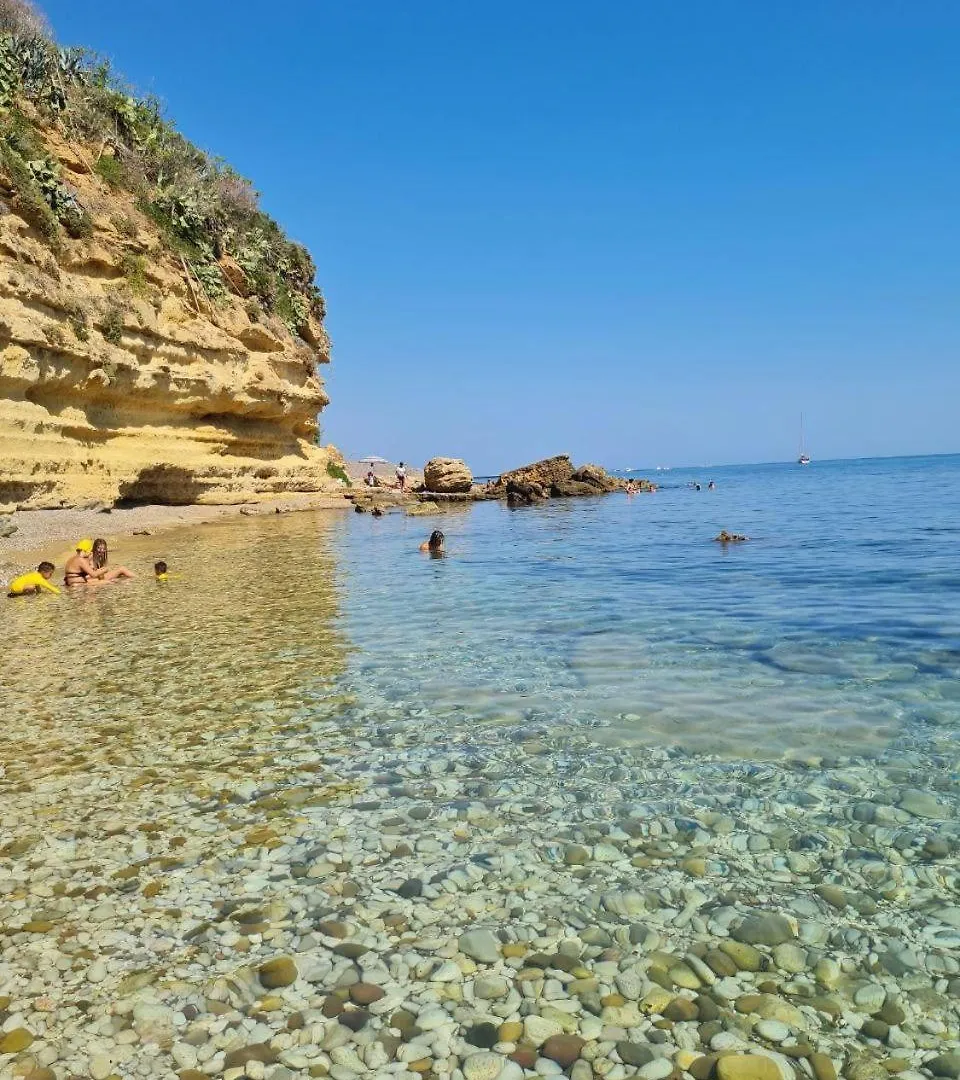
836,630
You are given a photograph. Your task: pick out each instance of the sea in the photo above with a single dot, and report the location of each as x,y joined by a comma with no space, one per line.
836,627
588,731
834,630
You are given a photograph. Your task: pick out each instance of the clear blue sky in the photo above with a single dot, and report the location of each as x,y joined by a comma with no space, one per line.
640,232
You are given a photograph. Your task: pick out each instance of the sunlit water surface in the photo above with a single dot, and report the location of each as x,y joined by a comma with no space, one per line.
835,630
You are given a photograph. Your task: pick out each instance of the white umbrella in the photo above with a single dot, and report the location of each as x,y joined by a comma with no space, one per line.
373,460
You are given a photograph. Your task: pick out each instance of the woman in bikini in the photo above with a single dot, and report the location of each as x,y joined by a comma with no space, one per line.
79,570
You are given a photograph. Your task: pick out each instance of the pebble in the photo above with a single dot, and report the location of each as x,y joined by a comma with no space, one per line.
382,901
747,1067
480,945
772,1030
483,1066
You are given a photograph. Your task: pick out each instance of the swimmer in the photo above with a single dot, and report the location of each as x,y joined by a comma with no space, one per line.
34,583
730,538
435,544
711,486
160,571
377,512
98,556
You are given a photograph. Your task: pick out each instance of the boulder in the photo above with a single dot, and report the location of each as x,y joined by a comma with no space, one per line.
524,494
597,477
447,475
570,488
546,473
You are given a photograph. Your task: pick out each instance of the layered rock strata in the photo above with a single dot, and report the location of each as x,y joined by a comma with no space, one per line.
121,383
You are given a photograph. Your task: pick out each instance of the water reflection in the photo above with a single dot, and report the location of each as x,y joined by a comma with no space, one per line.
218,659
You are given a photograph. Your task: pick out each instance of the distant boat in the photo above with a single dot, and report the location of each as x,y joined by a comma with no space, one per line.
804,458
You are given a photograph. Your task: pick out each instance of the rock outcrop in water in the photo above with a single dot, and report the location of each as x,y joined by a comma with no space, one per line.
553,477
447,476
139,360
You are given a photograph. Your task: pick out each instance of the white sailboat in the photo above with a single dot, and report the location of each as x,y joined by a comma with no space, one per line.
804,458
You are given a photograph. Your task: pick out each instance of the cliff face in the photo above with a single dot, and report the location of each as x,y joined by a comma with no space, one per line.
120,380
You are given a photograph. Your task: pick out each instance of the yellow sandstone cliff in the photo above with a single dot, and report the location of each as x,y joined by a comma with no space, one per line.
120,381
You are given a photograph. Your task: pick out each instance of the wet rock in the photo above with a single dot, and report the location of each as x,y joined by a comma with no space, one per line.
634,1053
945,1065
823,1067
13,1042
563,1049
480,945
485,1035
365,993
747,1067
920,804
483,1066
277,973
744,956
764,928
681,1009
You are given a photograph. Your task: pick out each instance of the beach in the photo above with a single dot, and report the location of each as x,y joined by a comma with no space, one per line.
322,805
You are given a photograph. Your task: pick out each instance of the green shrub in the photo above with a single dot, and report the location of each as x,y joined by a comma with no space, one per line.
77,318
110,168
111,324
134,268
338,473
201,206
54,335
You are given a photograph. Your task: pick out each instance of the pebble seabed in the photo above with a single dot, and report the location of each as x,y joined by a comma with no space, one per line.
329,890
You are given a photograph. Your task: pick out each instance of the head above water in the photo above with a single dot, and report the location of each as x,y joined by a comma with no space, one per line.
84,547
98,554
435,543
46,568
159,567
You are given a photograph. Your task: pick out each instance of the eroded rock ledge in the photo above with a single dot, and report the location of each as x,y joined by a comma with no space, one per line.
120,382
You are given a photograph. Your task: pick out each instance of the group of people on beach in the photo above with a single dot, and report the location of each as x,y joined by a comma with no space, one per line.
372,480
87,567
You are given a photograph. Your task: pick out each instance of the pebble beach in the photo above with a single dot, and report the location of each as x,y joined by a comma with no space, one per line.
354,897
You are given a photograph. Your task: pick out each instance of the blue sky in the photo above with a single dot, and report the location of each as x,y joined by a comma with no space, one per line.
639,232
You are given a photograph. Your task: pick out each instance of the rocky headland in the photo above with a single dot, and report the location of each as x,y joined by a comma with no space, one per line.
160,339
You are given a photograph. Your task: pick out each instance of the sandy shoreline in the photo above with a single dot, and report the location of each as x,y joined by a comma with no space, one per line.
42,533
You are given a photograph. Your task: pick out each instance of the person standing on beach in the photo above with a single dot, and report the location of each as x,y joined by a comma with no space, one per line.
401,477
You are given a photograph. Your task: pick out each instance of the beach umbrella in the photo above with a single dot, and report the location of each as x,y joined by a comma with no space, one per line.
372,459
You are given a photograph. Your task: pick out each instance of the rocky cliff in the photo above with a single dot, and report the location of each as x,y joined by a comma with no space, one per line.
123,376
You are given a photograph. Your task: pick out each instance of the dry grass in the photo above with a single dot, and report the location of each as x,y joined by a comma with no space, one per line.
21,18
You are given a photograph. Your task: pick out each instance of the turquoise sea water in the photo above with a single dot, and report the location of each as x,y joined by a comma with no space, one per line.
836,629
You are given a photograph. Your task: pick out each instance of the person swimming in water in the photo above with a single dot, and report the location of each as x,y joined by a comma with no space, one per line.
160,571
435,544
34,583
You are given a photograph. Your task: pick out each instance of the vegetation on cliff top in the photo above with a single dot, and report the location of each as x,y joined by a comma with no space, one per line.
206,212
